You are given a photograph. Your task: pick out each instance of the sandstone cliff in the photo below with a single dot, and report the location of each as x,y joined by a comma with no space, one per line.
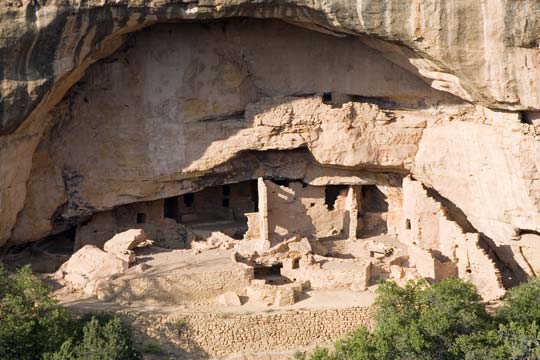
447,92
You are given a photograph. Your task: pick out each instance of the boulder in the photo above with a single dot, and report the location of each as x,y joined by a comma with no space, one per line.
198,246
89,264
124,241
127,255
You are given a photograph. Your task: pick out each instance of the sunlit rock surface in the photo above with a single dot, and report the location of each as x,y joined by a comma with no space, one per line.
103,105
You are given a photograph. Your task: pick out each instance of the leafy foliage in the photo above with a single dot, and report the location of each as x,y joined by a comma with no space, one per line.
444,321
101,340
33,326
30,321
513,341
521,304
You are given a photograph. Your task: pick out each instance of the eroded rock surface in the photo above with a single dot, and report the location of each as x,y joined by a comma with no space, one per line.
88,266
475,50
125,241
349,93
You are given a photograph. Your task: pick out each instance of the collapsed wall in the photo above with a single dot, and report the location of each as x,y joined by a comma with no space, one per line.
440,248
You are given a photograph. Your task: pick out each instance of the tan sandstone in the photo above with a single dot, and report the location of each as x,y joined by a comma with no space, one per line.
271,150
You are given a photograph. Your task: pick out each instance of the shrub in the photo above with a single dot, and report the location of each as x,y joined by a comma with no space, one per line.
421,322
416,321
508,342
322,354
521,305
33,326
66,351
358,345
31,323
109,340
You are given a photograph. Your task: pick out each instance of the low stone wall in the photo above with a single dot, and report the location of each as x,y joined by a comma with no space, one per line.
176,287
214,335
330,273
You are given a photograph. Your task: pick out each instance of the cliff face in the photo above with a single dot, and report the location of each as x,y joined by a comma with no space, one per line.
447,92
483,51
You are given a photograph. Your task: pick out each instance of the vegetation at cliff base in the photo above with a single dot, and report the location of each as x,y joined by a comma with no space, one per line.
446,320
33,326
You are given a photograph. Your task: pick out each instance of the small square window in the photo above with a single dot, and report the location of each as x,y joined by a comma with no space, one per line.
141,218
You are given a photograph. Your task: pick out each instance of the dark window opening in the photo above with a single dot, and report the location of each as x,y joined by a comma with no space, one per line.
170,207
225,203
255,195
327,97
282,182
189,198
408,224
226,190
296,263
331,193
262,271
373,199
141,218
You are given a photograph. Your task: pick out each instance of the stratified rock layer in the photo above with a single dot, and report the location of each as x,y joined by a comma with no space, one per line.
182,106
483,51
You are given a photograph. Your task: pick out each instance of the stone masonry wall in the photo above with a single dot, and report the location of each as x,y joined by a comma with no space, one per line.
178,286
425,226
203,335
306,211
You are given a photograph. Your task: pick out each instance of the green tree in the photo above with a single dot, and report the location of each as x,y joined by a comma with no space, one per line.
521,305
33,326
416,321
102,337
358,345
508,342
516,335
31,323
108,341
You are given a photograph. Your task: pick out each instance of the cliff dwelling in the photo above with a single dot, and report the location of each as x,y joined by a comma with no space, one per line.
253,165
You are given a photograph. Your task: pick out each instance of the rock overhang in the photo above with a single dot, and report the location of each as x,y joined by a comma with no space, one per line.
47,42
95,32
